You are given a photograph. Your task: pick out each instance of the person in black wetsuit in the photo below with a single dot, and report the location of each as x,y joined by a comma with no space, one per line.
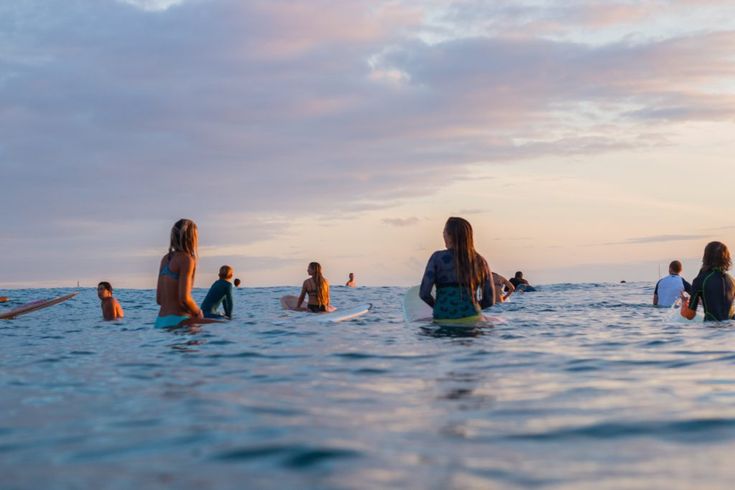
458,273
518,280
713,286
220,294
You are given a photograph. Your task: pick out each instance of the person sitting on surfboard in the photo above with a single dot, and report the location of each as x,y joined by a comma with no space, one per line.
351,283
317,287
458,273
220,294
503,288
111,309
176,278
713,286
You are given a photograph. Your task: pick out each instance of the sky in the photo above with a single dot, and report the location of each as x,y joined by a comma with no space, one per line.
586,141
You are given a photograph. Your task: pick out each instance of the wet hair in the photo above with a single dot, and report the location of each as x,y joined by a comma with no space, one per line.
468,263
716,256
184,237
519,275
105,285
675,267
237,282
322,293
225,271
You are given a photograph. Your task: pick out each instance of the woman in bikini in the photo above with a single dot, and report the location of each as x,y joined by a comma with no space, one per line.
317,287
176,278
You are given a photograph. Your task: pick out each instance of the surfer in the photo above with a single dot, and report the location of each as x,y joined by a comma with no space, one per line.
317,287
714,286
669,288
111,309
176,277
519,282
351,283
503,288
458,273
220,294
3,299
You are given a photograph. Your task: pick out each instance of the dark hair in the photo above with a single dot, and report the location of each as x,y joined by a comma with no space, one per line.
519,275
237,282
675,266
468,263
105,285
716,256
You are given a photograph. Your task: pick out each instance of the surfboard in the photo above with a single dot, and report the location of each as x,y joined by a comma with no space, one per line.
34,306
334,315
415,310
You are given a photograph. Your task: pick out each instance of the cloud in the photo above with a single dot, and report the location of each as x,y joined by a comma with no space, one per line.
658,239
137,113
401,222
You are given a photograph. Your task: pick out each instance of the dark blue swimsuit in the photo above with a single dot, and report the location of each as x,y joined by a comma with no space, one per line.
452,300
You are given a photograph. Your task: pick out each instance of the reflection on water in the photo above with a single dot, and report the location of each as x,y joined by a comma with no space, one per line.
573,386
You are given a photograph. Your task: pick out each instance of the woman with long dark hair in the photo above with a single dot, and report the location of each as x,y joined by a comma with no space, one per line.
713,286
458,273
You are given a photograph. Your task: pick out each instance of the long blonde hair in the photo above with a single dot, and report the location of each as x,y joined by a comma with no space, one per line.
468,263
184,237
322,286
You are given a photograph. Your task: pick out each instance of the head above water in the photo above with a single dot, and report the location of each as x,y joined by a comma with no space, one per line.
458,238
675,267
104,289
184,237
237,282
519,275
351,275
716,256
226,272
458,234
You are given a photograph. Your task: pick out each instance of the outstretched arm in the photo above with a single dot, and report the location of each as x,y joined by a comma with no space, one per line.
688,311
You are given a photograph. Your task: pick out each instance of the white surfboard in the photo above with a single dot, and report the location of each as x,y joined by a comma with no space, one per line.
34,306
332,316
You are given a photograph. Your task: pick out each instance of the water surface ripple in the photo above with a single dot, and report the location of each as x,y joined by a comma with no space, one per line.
574,386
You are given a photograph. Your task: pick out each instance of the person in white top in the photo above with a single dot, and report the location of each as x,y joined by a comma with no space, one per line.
669,288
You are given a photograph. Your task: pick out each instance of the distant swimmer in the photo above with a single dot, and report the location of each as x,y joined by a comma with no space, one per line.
111,309
3,299
351,283
237,282
669,288
220,293
176,278
317,288
458,273
518,280
713,286
503,288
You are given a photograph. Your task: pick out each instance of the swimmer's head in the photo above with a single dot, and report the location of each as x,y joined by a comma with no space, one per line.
675,267
104,290
237,282
519,275
352,275
716,256
226,272
458,234
184,237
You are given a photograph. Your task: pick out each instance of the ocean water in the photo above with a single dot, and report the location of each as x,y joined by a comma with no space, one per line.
574,386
